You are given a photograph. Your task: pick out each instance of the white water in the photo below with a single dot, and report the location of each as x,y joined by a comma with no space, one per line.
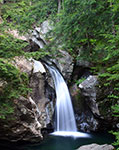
65,120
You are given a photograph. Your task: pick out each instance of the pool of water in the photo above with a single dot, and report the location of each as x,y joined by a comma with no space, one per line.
54,142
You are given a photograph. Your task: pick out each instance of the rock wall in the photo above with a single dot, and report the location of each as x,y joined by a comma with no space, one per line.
33,113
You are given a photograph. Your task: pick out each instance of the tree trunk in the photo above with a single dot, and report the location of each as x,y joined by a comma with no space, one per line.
59,5
113,27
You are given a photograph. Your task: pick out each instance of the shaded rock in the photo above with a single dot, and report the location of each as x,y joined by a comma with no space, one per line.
1,21
82,63
2,86
88,90
37,85
96,147
65,64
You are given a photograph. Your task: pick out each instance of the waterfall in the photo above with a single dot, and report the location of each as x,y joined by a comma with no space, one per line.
65,120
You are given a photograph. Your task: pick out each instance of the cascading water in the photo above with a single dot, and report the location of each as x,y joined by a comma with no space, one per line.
65,120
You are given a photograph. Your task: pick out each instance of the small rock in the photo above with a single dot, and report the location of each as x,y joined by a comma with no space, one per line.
96,147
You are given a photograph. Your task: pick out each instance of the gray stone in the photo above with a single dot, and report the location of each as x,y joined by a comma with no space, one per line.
39,33
89,91
65,64
96,147
86,105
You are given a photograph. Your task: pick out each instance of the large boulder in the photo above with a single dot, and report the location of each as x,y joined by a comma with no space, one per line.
96,147
89,91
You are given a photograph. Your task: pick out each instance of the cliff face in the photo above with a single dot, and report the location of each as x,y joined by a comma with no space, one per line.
93,112
33,113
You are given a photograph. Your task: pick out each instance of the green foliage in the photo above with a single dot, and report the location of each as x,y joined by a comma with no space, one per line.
117,138
15,84
116,133
21,15
81,25
36,55
116,110
90,28
16,81
25,15
10,47
6,109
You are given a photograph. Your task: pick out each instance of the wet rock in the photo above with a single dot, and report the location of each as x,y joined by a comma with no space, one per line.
96,147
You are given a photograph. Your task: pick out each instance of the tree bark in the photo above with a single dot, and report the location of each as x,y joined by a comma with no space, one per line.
113,27
59,5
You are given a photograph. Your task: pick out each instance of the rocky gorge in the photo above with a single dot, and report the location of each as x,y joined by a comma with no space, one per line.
33,115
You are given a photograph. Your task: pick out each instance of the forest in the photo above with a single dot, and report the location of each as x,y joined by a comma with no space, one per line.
88,30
